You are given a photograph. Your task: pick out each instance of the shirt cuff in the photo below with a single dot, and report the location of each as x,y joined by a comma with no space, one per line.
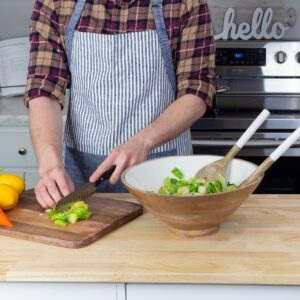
206,92
37,87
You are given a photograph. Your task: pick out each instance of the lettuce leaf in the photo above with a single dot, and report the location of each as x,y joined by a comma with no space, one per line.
69,213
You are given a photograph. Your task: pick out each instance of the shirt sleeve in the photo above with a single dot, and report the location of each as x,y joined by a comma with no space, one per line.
196,53
48,73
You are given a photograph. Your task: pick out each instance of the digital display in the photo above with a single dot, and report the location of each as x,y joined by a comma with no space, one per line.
241,57
238,55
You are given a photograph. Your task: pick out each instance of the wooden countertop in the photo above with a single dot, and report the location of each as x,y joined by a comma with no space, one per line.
259,244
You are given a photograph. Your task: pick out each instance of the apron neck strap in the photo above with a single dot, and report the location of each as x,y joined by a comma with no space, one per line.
158,14
71,27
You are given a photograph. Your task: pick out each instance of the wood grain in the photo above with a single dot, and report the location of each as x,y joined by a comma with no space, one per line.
31,223
193,216
258,244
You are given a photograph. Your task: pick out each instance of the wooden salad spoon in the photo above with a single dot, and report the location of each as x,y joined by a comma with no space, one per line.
268,162
211,171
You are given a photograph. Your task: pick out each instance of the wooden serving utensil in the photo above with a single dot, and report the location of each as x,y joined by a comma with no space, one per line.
268,162
211,171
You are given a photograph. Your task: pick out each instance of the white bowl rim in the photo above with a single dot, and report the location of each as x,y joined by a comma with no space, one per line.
183,196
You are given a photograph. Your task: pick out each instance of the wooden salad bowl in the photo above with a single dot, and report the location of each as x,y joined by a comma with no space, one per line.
188,216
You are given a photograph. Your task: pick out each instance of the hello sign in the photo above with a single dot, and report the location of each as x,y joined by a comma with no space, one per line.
261,26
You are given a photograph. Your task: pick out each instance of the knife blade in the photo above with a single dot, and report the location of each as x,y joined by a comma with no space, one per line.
87,189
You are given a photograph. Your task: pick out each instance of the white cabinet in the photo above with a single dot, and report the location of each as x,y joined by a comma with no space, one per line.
31,178
212,292
17,154
16,150
58,291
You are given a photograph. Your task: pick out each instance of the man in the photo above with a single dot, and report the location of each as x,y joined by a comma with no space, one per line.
140,73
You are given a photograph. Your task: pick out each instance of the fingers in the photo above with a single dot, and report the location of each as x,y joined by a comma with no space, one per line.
123,156
40,199
116,175
121,160
63,183
107,163
52,186
44,197
70,183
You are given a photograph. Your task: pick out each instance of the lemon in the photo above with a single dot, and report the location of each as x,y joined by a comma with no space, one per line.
9,197
14,181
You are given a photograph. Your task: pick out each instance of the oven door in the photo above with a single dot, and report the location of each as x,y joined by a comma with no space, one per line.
282,178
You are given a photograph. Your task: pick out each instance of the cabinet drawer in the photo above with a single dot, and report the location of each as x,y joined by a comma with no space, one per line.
57,290
16,149
210,291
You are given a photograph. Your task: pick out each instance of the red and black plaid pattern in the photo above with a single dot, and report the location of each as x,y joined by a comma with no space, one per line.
187,21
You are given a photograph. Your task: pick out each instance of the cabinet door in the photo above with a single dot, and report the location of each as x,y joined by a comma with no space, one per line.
30,176
58,291
211,292
13,171
31,179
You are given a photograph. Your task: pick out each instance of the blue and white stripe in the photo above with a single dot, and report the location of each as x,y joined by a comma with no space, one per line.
119,86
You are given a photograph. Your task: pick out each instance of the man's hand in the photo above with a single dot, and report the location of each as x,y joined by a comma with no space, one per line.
123,156
179,116
53,185
46,125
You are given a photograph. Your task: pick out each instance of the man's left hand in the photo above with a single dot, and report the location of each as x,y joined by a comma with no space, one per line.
125,155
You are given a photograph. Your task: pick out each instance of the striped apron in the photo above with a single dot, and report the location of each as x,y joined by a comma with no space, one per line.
120,84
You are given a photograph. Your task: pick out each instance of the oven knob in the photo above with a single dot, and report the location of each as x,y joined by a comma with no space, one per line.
298,57
281,57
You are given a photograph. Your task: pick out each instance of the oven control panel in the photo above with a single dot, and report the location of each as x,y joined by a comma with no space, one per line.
258,59
241,57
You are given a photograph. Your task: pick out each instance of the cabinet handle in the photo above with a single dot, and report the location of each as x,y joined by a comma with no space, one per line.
22,151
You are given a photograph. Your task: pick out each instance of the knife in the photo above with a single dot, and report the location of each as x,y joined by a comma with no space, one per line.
87,189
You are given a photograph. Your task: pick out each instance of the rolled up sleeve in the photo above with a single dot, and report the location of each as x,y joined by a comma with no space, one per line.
196,53
48,73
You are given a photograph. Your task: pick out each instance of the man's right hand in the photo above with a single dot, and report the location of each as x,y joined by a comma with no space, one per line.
53,185
46,124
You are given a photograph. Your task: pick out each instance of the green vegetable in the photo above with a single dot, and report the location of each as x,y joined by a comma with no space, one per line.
193,186
69,213
177,173
211,188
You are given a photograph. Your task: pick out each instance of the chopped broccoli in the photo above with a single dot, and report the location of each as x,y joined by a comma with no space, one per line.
69,213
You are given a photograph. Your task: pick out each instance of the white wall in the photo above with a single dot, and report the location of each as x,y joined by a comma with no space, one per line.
14,18
15,15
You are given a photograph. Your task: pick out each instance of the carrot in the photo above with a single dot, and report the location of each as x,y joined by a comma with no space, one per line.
4,221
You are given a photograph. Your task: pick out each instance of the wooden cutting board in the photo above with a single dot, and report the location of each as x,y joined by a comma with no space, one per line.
31,223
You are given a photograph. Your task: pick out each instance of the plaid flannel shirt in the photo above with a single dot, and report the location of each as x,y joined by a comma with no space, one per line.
188,25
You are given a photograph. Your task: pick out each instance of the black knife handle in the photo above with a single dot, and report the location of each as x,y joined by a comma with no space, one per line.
106,175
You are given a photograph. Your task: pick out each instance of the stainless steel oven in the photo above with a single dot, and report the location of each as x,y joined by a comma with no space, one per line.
252,76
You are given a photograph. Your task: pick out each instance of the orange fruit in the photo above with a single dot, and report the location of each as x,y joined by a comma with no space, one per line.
14,181
9,197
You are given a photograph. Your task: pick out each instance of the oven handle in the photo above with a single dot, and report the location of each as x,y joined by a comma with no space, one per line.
222,89
250,144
